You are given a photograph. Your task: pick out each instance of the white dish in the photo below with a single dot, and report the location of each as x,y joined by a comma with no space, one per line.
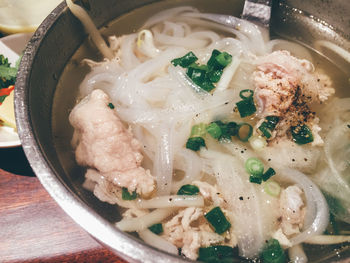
11,47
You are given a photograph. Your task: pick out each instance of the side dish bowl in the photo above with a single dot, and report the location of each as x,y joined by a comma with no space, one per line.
45,94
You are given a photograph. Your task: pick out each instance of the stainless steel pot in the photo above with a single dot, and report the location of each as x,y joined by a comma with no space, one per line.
44,97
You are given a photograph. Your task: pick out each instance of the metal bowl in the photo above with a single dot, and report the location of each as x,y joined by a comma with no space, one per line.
46,92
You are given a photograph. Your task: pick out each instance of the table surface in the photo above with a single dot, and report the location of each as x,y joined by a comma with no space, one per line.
33,228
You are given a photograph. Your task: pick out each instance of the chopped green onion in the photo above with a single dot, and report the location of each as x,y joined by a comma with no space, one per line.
223,59
156,228
302,134
269,125
195,143
246,107
270,172
214,130
211,62
186,60
254,166
207,86
126,194
197,75
272,121
249,92
273,252
110,105
265,130
255,179
272,188
188,189
198,130
243,134
218,220
216,254
214,75
257,142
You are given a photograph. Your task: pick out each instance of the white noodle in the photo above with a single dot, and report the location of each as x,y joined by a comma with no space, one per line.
327,240
157,241
90,27
297,254
142,222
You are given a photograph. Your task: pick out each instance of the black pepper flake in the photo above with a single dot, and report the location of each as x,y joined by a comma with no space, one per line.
241,198
348,126
305,159
217,193
242,151
293,160
226,103
170,199
269,160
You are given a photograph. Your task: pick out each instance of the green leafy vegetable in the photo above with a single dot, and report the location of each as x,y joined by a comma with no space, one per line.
188,189
156,228
126,195
244,131
195,143
255,179
110,105
218,220
198,130
246,107
268,125
7,73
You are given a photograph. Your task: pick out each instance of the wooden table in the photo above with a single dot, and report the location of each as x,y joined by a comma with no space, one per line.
33,228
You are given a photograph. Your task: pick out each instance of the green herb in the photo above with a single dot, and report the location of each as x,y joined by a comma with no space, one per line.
244,131
302,134
110,105
186,60
272,188
216,254
268,125
204,75
218,220
246,94
273,252
214,130
246,107
254,166
156,228
195,143
188,189
198,130
270,172
126,194
7,73
255,179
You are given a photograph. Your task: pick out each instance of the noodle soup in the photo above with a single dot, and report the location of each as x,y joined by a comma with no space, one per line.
214,142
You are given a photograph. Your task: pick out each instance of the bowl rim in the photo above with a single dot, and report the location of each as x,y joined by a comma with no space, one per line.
123,244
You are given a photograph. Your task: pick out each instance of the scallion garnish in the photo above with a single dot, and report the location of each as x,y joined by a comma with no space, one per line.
188,189
246,107
216,254
246,94
195,143
198,130
110,105
204,75
268,125
255,179
302,134
217,219
156,228
126,195
273,252
272,188
254,166
244,131
270,172
186,60
214,130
